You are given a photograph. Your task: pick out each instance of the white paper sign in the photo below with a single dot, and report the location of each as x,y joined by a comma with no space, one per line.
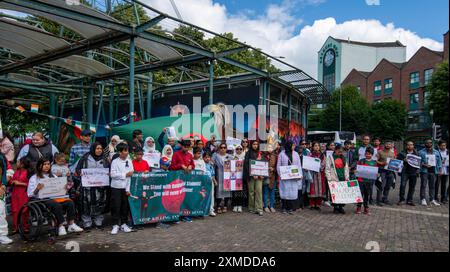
259,168
95,177
330,153
152,159
413,160
345,192
367,172
445,160
311,164
53,188
233,141
290,172
431,160
171,132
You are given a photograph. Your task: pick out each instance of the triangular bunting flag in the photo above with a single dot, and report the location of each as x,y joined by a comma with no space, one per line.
92,128
34,108
20,108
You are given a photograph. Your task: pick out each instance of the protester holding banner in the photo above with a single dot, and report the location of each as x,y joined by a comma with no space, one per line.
255,183
170,141
270,182
387,177
303,199
337,169
166,157
317,185
289,187
431,167
443,175
56,206
19,183
361,151
408,175
121,173
93,198
365,185
238,196
222,196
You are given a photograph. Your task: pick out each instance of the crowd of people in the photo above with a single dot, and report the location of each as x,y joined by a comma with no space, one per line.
87,206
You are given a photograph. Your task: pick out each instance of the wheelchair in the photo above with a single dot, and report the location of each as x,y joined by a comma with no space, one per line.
35,219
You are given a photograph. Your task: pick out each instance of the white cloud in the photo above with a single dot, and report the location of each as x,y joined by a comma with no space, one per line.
275,30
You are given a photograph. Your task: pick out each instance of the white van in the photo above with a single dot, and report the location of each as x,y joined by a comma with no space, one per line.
324,137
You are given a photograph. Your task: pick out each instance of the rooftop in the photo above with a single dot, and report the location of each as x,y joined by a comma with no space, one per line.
373,44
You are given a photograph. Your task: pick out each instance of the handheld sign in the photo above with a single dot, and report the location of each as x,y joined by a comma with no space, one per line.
413,160
171,132
345,192
259,168
152,159
232,175
311,164
290,172
431,160
367,172
394,165
53,188
95,177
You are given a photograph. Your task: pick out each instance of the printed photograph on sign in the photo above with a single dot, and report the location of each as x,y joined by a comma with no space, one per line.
414,160
232,175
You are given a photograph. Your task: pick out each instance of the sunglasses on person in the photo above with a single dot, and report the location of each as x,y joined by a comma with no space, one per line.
223,147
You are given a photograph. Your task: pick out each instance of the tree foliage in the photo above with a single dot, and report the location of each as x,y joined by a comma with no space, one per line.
388,120
439,94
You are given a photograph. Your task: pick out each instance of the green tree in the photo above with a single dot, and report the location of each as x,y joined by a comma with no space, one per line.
355,111
439,89
17,123
388,120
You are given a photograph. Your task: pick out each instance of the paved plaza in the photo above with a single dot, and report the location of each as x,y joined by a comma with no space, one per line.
388,228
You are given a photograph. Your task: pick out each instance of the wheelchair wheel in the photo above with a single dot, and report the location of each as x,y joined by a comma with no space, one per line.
30,222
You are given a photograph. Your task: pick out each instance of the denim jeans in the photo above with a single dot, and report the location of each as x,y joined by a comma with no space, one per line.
388,178
405,179
268,193
430,179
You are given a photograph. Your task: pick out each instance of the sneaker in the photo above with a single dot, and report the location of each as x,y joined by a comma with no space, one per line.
291,212
125,228
115,229
327,203
224,210
62,231
283,211
358,210
366,211
239,209
435,203
267,210
273,210
4,240
235,209
212,213
74,228
260,213
424,202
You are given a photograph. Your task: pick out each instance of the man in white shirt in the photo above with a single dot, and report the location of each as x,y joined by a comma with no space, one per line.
443,175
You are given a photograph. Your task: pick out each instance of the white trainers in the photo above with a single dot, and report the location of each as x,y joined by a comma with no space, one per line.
115,229
424,202
212,213
125,228
435,203
4,240
62,231
74,228
327,203
235,208
239,209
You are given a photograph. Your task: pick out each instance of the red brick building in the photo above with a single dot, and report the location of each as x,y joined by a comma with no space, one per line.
404,82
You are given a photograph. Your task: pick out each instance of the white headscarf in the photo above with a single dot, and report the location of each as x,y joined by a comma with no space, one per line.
242,155
164,152
112,147
147,148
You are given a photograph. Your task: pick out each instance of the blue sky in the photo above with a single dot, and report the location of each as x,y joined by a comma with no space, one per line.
428,19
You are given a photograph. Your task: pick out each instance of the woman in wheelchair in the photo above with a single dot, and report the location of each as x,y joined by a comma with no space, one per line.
56,206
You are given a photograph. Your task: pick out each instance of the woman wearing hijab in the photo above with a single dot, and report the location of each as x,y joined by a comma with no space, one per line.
111,149
289,187
93,199
149,145
255,183
166,157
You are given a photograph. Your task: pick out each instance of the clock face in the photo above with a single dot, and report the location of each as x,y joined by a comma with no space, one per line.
329,57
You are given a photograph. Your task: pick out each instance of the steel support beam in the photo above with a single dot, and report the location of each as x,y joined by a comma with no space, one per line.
131,86
211,82
149,95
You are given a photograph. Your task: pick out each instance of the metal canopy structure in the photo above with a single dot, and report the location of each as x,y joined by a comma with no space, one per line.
107,58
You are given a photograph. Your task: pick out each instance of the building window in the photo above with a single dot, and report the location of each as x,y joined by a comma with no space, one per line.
414,101
414,81
377,88
427,75
388,86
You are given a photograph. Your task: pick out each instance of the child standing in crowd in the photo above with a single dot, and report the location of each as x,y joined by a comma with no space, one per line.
121,173
19,183
166,157
212,174
56,206
365,184
140,165
198,161
60,168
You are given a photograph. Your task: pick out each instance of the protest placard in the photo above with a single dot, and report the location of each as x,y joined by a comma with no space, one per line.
394,165
431,160
366,172
345,192
171,132
330,153
413,160
152,159
290,172
259,168
232,175
95,177
233,141
311,164
53,188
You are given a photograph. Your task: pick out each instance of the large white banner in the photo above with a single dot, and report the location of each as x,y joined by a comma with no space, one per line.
95,177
